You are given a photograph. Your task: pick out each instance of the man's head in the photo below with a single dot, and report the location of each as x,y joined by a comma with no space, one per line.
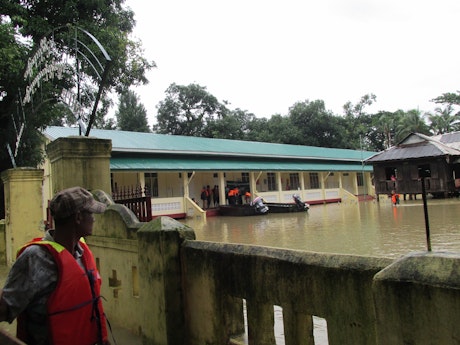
73,200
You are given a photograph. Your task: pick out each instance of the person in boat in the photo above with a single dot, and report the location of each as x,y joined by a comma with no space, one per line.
247,197
233,195
300,204
53,288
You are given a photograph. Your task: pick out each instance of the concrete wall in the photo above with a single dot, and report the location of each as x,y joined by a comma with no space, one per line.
417,299
115,247
80,161
23,208
337,288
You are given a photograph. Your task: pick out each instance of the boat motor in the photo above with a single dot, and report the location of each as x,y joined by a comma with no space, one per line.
259,205
300,204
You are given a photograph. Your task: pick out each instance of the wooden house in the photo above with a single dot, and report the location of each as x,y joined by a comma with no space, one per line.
435,159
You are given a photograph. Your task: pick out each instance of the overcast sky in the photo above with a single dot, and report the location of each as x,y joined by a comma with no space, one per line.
263,56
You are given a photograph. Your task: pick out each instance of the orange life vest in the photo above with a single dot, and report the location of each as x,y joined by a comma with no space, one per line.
74,308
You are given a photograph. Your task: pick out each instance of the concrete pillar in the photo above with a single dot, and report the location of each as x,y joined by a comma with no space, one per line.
252,185
222,184
80,161
417,299
322,180
23,208
298,327
261,320
160,282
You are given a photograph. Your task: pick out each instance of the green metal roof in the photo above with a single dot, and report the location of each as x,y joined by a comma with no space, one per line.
141,151
191,164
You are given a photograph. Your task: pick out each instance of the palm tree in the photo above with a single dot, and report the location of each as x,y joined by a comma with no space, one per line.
387,123
443,121
411,122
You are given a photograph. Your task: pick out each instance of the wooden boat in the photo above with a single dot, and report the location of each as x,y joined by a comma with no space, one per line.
239,210
274,207
297,206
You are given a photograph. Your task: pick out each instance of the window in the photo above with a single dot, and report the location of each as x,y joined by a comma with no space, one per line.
314,180
151,183
244,177
271,181
360,179
390,173
294,181
424,170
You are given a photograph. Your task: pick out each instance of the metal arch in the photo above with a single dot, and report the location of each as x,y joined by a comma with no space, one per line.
104,67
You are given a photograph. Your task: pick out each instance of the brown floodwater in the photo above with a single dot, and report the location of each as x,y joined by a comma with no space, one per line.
364,228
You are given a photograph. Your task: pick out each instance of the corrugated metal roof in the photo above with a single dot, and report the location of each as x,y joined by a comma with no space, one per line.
135,142
450,139
414,146
196,164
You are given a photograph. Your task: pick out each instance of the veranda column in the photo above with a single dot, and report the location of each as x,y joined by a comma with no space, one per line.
80,161
355,183
222,184
252,184
302,185
23,208
279,184
323,184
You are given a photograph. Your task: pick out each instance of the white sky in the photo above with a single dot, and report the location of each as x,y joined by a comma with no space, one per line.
263,56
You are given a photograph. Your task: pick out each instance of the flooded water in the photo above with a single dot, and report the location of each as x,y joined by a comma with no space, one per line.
365,228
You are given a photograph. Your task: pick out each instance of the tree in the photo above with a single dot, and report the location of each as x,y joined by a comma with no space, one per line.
131,114
444,121
25,22
313,125
188,110
411,122
358,109
448,98
358,123
385,123
233,124
109,21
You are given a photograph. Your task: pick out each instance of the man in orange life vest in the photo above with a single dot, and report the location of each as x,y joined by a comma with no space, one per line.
54,287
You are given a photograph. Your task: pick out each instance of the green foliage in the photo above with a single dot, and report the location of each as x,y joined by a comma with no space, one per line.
411,122
233,124
131,114
313,125
23,24
444,121
188,110
448,98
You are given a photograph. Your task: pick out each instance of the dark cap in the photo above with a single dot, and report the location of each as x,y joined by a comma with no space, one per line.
72,200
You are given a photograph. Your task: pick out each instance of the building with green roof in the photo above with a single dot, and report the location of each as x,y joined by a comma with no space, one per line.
173,169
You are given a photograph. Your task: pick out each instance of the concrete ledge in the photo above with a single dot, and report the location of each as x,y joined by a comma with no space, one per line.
417,300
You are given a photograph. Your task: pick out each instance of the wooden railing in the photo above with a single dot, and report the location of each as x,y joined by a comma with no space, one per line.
137,199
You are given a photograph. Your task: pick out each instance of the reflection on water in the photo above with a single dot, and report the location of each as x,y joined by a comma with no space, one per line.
366,228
